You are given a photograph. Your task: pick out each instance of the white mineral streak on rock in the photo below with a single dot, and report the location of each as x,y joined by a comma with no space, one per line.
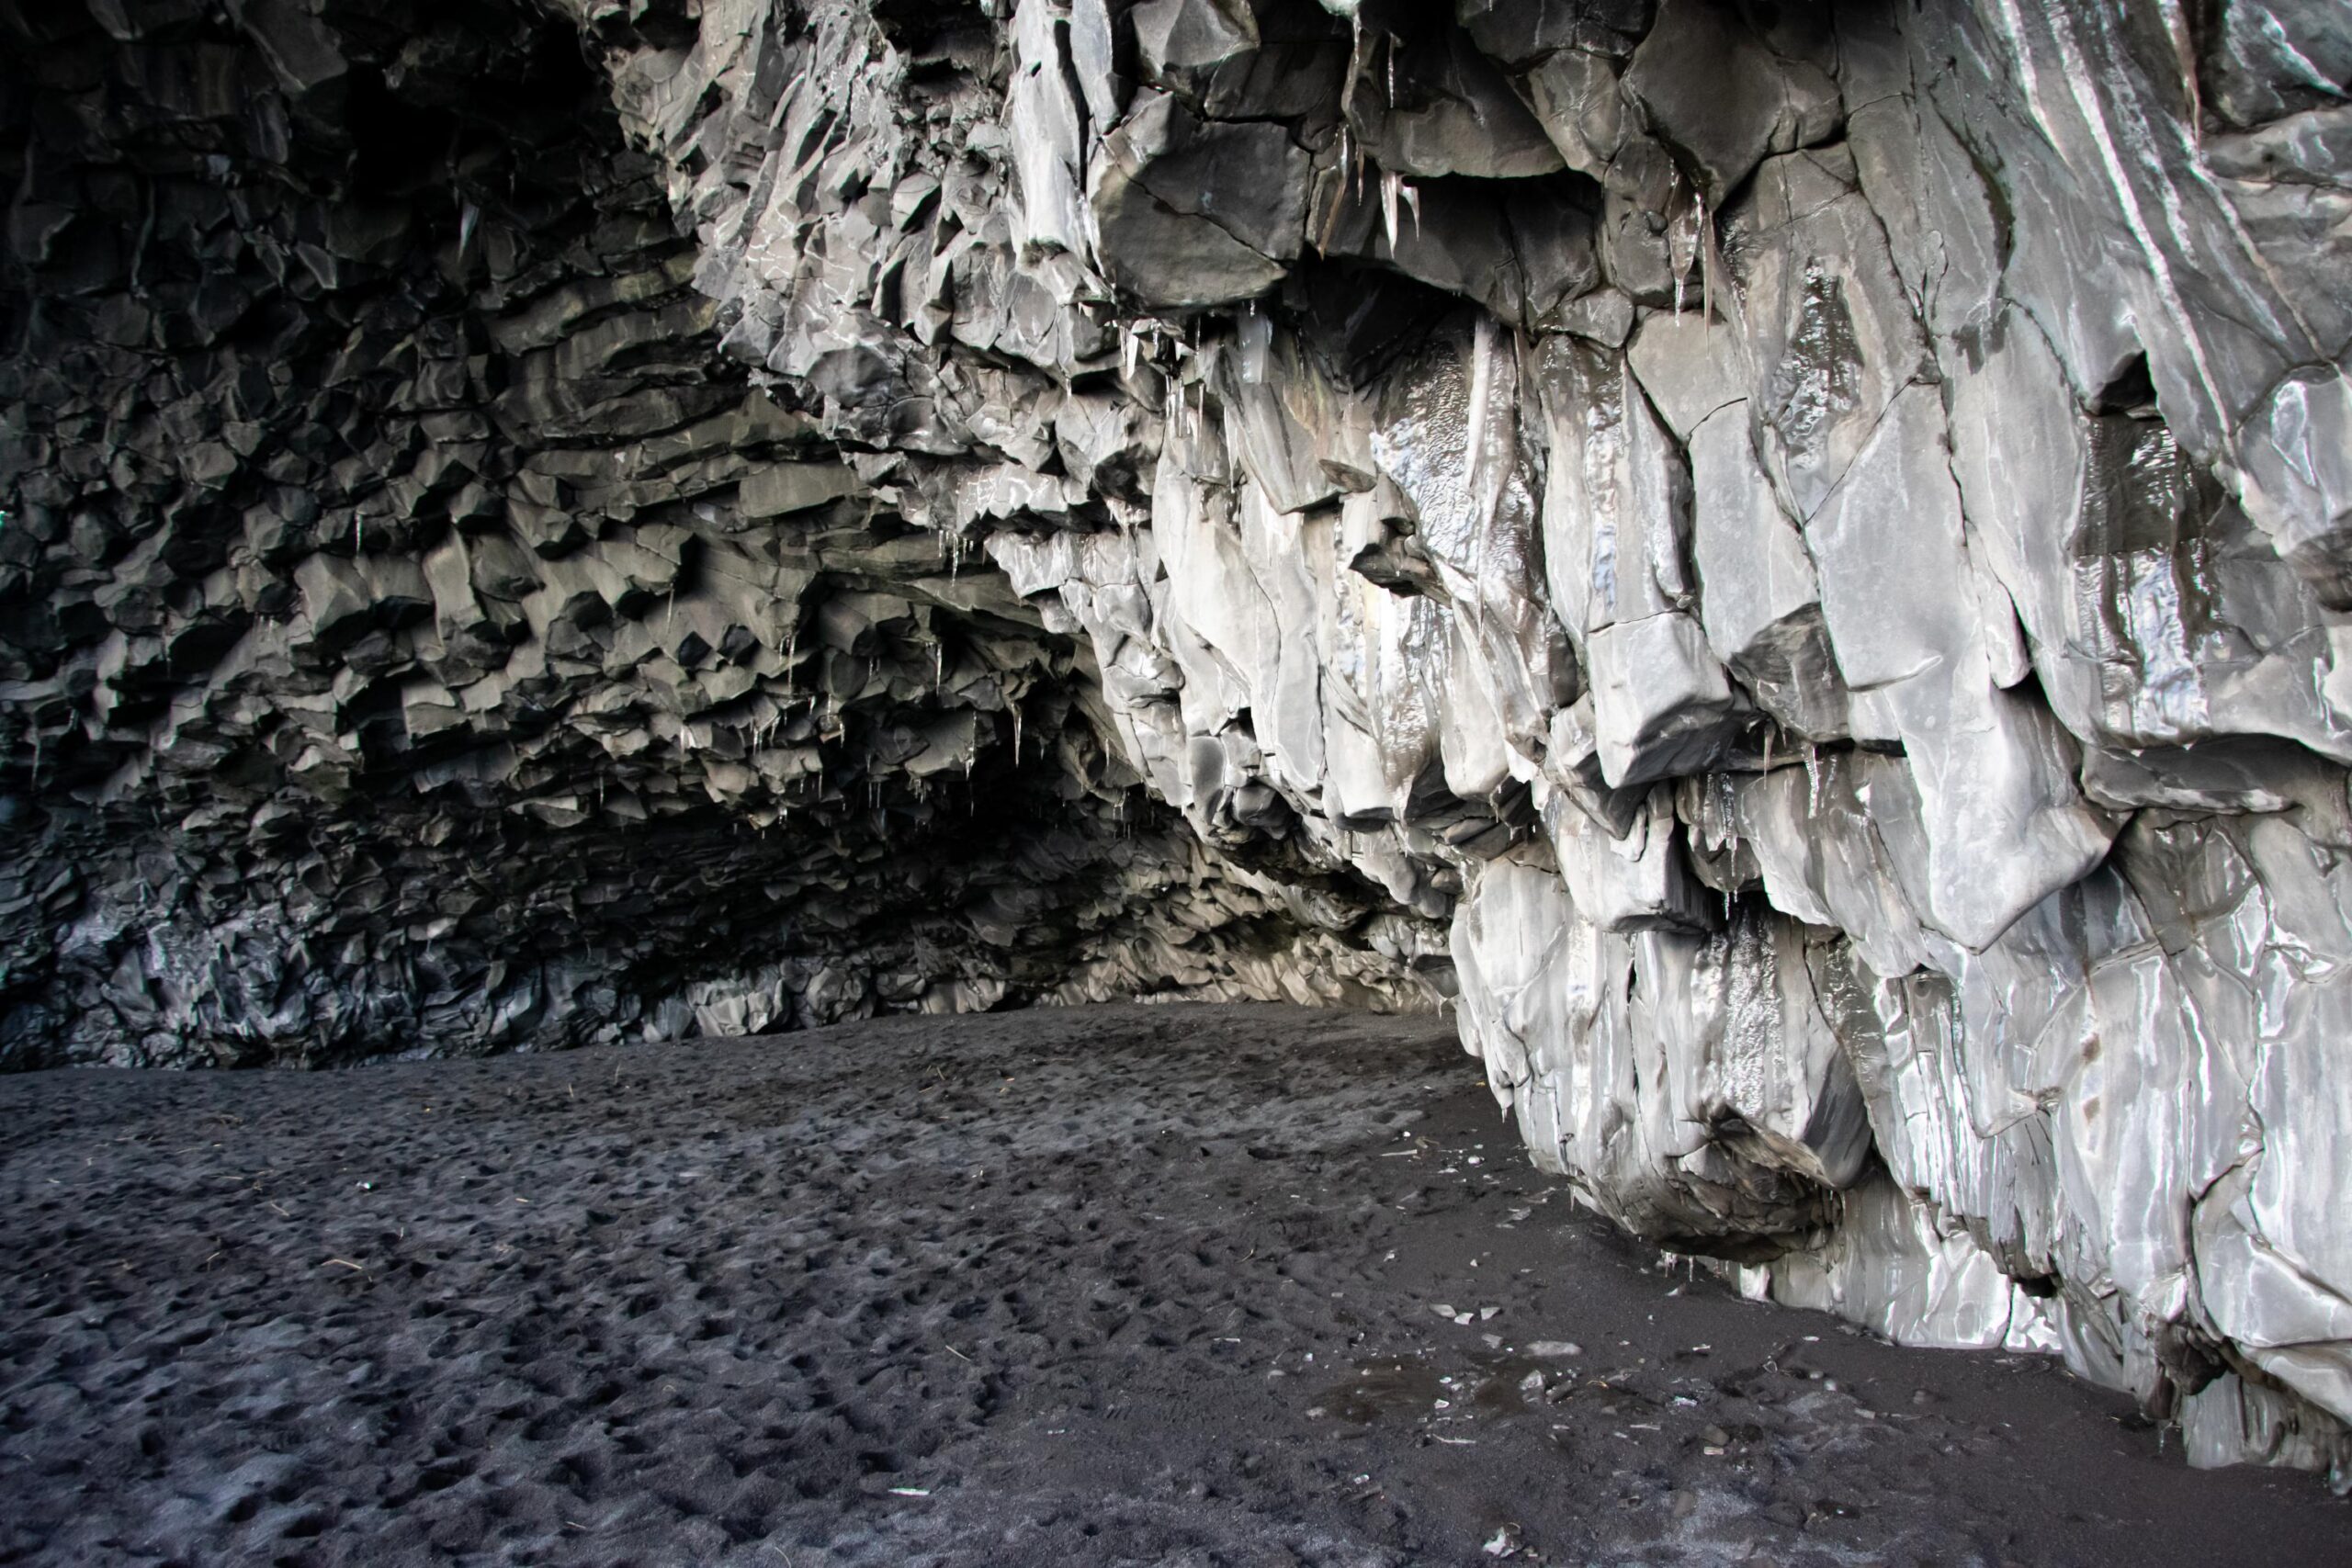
1817,548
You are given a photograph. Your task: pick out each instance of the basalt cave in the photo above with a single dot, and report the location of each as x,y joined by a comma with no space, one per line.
1789,565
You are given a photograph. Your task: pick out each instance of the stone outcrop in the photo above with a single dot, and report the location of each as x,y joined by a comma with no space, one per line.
1792,557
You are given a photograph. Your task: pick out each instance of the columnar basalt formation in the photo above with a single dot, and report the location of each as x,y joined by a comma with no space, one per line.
420,635
1814,536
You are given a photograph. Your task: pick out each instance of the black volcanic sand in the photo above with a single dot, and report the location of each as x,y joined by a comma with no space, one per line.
1134,1285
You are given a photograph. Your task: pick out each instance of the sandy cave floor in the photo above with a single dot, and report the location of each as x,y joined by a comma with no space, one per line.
1148,1285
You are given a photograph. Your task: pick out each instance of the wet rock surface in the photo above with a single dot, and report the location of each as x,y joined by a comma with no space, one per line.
1791,560
1285,1291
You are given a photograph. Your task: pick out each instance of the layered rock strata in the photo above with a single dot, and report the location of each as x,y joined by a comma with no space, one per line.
1815,537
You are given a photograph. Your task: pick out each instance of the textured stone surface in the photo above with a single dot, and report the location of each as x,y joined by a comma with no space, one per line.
422,634
1811,543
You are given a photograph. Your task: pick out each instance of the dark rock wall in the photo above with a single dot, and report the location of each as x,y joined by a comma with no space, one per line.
1813,535
419,635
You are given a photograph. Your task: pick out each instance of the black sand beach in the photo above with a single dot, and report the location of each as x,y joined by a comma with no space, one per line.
1114,1286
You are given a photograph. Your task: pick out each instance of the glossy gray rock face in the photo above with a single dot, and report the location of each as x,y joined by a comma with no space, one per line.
1795,557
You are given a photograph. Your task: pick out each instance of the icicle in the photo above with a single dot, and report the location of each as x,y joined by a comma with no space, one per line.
1256,337
1391,186
1413,199
1682,242
1016,732
1355,63
1813,779
1706,268
1482,371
